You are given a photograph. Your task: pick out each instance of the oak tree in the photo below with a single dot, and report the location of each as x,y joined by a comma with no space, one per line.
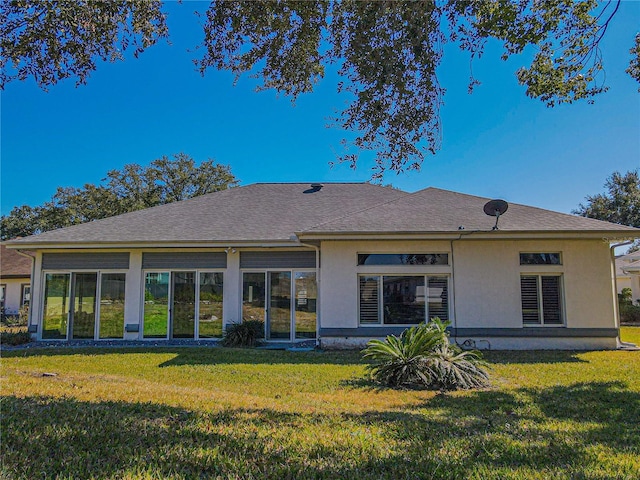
386,52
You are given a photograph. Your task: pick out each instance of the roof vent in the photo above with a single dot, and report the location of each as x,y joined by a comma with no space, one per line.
495,208
315,187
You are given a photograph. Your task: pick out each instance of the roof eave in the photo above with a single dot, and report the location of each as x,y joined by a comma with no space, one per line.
607,235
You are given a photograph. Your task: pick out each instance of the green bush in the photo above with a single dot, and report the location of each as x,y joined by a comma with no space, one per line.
630,314
14,336
422,356
245,334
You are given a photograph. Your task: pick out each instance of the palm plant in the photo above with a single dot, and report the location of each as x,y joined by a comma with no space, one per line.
423,356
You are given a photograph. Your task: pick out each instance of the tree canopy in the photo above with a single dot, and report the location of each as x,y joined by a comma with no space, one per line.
135,187
619,204
387,52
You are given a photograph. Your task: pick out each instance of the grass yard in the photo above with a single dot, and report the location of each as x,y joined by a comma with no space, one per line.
226,413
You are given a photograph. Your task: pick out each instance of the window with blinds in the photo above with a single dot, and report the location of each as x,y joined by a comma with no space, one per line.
541,297
402,299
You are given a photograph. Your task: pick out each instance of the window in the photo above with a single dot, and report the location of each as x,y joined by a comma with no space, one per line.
403,259
3,291
112,288
25,296
541,297
402,300
540,259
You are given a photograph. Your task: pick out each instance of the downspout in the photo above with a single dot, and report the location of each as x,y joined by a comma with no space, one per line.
33,273
616,308
295,238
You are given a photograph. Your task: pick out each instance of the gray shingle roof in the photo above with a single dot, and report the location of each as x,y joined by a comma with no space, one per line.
436,210
258,212
267,212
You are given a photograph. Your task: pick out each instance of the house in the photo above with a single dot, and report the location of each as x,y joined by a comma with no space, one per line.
338,263
628,274
15,280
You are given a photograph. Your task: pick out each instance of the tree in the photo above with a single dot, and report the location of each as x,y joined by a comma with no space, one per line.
134,187
387,52
620,204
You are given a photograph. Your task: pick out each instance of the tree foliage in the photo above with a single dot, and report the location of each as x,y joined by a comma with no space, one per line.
387,53
619,204
135,187
54,40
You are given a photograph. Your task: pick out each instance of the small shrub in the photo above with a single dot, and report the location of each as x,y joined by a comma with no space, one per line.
630,314
14,336
245,334
423,356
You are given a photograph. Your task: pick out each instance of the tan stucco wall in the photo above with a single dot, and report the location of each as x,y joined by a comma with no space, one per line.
339,276
486,279
13,293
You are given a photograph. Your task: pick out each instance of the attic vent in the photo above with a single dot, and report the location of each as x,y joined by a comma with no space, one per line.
315,187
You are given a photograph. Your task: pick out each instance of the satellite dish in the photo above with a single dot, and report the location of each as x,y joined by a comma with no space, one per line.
495,208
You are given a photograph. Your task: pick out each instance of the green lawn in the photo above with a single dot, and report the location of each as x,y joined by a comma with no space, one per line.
226,413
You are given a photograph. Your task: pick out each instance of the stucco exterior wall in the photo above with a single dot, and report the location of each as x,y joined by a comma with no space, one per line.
13,293
484,283
487,281
339,266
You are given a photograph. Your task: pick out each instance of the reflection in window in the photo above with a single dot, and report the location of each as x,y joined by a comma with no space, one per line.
210,303
406,300
253,296
403,259
540,259
56,305
84,305
112,288
403,300
156,304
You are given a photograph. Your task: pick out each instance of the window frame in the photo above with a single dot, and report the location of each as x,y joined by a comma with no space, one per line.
98,294
425,276
403,265
540,298
170,271
23,287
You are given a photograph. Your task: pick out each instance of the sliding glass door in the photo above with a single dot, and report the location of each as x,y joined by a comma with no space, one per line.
284,300
183,304
72,310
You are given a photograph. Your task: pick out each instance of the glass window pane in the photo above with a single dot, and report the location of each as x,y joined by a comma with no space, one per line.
210,303
403,259
84,305
56,305
112,288
438,298
280,305
253,296
306,299
26,295
529,297
551,300
184,305
540,259
156,304
369,300
403,300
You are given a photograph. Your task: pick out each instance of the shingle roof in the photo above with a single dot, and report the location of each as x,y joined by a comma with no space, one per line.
12,264
436,210
258,212
268,212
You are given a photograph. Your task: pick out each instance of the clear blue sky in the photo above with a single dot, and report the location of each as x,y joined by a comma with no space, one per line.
496,142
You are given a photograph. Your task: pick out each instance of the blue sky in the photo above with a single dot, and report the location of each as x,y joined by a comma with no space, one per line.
496,142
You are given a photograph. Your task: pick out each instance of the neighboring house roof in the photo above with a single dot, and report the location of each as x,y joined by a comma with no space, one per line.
12,264
271,212
633,267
